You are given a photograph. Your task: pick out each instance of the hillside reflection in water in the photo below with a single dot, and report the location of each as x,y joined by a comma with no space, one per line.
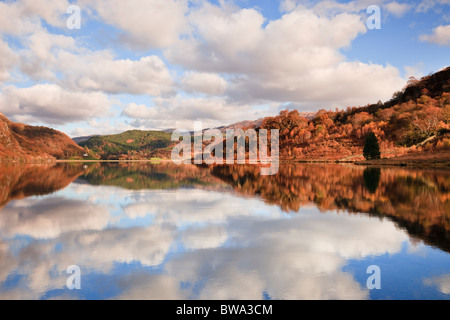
143,231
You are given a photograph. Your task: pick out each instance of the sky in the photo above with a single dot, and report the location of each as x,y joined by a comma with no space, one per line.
164,64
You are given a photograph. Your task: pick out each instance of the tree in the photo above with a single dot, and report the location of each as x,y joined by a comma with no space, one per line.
372,147
427,120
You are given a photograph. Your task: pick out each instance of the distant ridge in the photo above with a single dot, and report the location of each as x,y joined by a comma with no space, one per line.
130,145
79,140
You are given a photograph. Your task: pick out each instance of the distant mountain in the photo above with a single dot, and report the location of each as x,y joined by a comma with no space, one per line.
142,145
241,125
247,124
255,124
131,145
20,142
79,140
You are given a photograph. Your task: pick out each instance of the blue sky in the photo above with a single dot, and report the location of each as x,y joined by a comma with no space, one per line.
162,64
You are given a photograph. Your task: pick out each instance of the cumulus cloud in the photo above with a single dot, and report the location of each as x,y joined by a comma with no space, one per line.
65,60
440,35
180,112
397,9
24,17
149,75
216,63
426,5
275,64
52,104
7,60
102,127
145,24
60,59
441,282
208,83
41,58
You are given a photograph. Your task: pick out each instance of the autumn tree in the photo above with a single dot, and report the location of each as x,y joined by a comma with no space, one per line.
427,121
371,147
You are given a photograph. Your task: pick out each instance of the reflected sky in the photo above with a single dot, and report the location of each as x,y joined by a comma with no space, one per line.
206,240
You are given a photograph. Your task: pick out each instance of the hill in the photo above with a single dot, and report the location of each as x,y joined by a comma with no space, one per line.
131,145
415,121
20,142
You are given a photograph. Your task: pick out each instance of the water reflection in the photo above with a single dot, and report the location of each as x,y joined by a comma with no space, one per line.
417,200
146,231
20,181
372,179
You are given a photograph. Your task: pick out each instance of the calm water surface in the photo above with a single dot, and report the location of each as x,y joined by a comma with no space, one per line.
143,231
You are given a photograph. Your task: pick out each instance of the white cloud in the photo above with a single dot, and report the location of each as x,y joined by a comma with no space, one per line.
52,11
231,62
146,24
66,61
24,17
149,75
415,71
397,9
208,83
51,104
440,35
426,5
442,283
7,61
295,58
101,127
60,59
228,33
181,112
41,57
330,7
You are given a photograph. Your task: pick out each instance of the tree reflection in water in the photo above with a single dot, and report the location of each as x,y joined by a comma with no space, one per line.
417,200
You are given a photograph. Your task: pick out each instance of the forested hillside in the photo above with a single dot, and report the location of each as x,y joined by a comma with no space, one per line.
130,145
20,142
416,120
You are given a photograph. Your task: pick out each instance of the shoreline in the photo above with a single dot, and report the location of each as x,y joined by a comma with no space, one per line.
441,160
444,163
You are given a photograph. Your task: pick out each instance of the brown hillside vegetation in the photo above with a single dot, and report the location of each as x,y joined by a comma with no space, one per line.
20,142
415,121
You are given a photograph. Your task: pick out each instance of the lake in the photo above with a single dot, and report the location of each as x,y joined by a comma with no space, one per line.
161,231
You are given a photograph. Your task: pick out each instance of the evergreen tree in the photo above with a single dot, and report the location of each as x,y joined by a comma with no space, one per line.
372,147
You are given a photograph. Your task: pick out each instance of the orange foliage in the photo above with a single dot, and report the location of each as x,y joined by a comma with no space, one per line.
339,135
